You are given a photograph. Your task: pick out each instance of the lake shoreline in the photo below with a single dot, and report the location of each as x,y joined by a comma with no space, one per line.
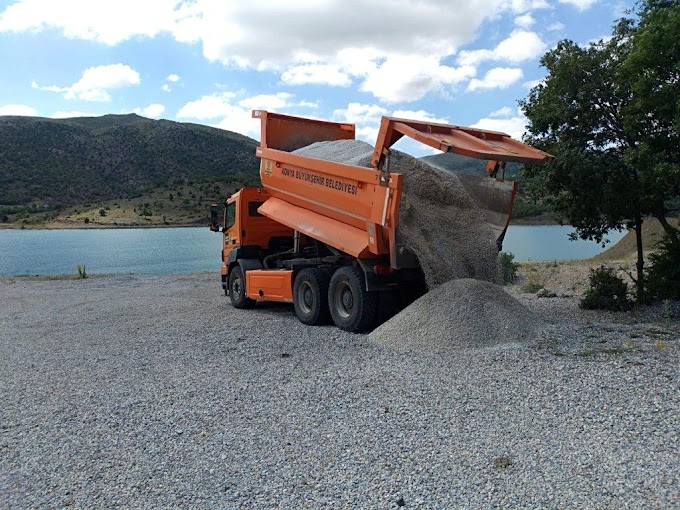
95,226
172,249
546,220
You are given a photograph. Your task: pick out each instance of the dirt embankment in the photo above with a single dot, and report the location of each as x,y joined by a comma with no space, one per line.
652,232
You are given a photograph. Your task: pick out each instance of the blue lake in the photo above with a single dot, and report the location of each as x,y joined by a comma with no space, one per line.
189,250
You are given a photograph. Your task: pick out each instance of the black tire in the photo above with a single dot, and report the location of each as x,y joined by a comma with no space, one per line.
352,307
310,296
237,289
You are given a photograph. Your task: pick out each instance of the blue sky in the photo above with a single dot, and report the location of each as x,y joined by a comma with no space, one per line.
212,61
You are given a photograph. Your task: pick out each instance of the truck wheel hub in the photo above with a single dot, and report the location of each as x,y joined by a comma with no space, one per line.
307,298
346,301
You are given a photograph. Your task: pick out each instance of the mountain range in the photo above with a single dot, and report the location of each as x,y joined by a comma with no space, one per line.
88,159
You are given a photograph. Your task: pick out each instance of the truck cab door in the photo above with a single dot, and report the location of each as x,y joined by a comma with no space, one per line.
231,228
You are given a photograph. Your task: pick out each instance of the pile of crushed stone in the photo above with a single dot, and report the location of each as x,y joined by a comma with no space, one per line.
460,314
438,219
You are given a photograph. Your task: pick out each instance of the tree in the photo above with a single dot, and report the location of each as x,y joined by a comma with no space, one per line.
610,115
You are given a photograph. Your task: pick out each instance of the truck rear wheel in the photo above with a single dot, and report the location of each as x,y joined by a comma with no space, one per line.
352,307
237,289
310,296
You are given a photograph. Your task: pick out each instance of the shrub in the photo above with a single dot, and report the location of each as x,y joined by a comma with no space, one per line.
82,273
663,277
508,267
102,212
607,291
531,288
87,220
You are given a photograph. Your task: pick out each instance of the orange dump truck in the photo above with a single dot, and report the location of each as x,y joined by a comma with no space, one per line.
324,235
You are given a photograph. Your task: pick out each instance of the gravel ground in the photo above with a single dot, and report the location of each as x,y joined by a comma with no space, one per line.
151,392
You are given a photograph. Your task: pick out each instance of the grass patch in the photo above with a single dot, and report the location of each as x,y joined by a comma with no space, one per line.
531,288
54,277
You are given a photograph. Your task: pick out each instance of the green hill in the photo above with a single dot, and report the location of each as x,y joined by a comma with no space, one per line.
62,162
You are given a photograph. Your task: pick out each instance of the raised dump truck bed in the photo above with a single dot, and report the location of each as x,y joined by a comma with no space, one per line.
324,235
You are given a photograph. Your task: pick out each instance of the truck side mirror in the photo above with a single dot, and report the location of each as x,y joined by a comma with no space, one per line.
214,226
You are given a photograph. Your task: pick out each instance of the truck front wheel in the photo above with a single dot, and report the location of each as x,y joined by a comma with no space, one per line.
352,307
237,289
310,296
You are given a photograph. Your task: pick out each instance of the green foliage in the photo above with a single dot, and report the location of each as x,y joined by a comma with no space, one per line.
102,212
524,208
531,288
508,267
82,273
663,277
606,292
609,114
87,220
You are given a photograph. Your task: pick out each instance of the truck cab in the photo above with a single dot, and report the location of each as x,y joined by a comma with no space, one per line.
247,235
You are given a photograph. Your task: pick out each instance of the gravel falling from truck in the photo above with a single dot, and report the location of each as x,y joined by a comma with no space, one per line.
438,219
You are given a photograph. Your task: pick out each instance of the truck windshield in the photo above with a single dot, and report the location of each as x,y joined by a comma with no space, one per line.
230,215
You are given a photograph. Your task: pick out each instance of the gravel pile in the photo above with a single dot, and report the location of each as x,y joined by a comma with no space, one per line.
152,392
459,314
438,219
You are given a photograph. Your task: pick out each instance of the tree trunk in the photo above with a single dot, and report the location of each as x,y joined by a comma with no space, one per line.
640,283
670,231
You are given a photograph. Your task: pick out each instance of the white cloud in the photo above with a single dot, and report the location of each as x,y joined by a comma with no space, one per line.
367,118
174,78
20,110
154,110
267,101
531,84
521,45
419,115
358,113
107,22
506,111
515,125
325,42
322,74
73,113
554,27
96,83
166,88
315,32
307,104
208,107
525,21
239,120
221,109
410,78
496,78
231,111
520,6
581,5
